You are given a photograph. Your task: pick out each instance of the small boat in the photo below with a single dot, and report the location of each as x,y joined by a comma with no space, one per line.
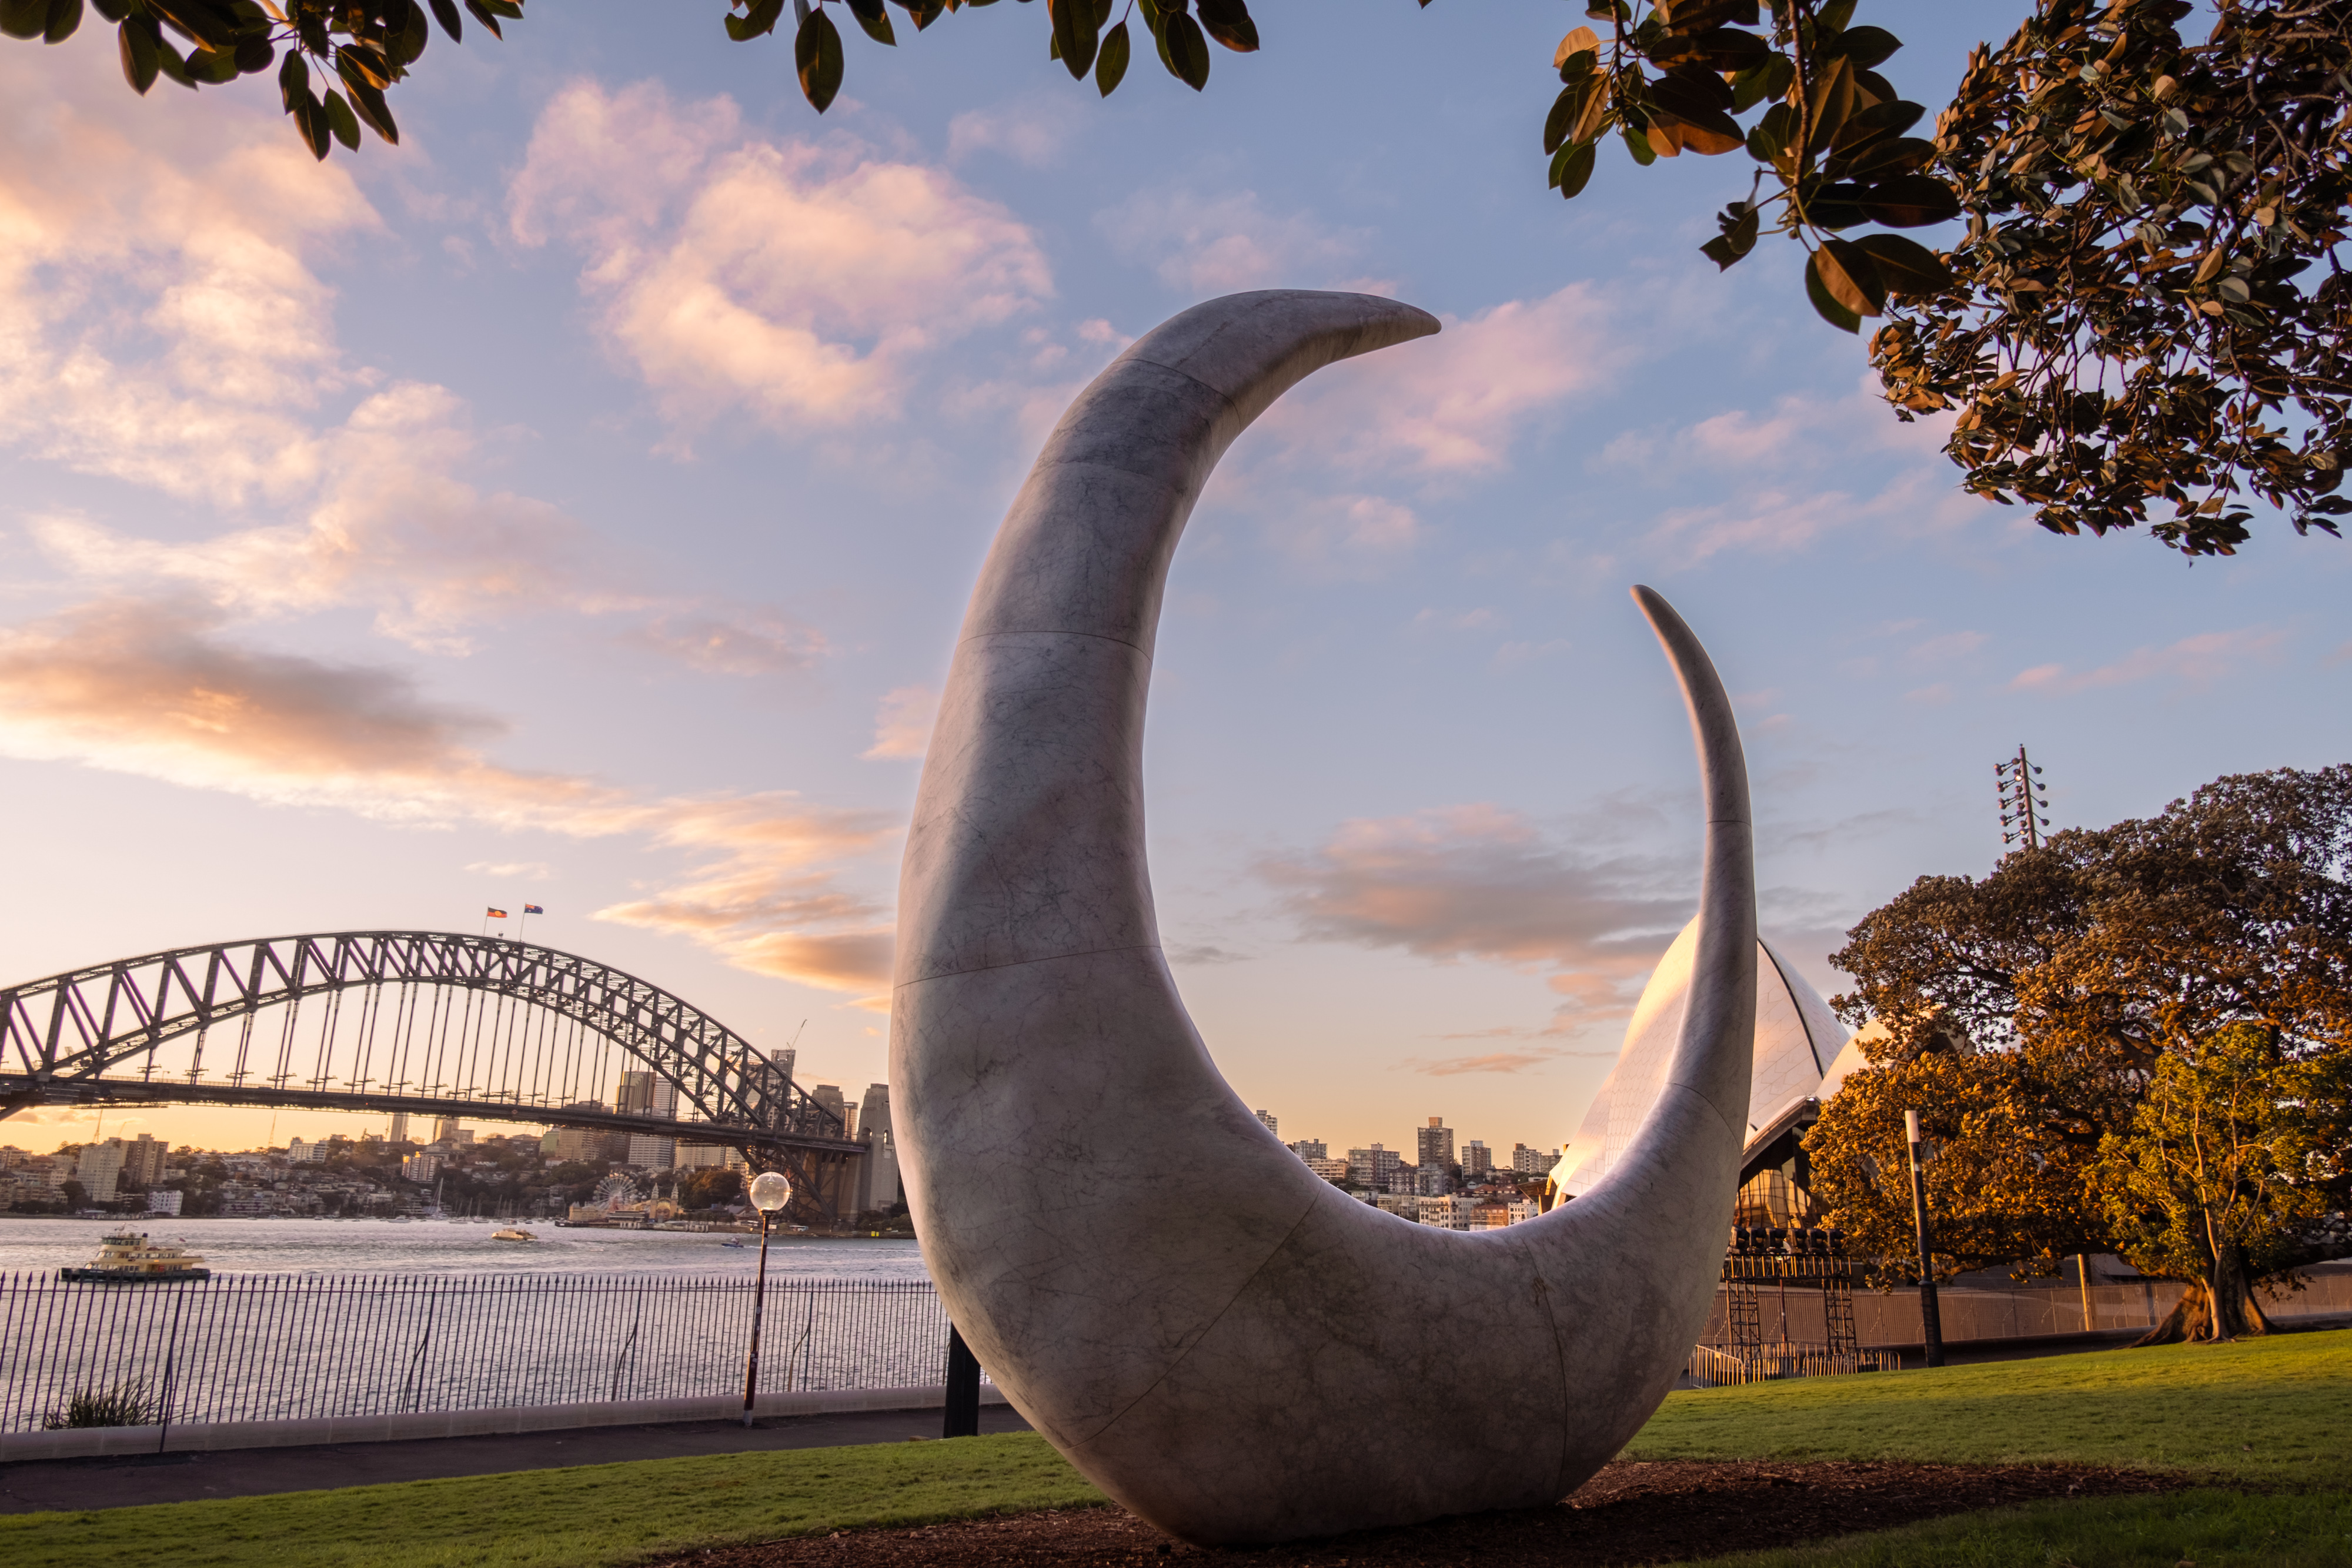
734,1242
130,1259
512,1234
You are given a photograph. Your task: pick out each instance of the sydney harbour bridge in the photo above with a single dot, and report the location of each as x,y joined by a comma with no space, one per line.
434,1023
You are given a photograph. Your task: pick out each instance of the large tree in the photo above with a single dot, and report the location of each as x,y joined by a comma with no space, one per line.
2146,308
2102,1014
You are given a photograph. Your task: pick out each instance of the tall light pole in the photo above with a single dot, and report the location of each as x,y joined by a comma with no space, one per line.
1931,1321
2024,808
770,1192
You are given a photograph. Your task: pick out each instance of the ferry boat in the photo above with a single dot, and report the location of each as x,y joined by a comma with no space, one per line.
130,1259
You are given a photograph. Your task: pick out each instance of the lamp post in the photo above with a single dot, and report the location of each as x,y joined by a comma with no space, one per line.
1931,1323
770,1192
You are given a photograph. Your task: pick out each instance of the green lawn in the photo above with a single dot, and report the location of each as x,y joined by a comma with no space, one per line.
2273,1411
2275,1414
583,1518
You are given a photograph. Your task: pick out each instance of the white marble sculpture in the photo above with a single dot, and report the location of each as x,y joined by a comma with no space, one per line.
1232,1348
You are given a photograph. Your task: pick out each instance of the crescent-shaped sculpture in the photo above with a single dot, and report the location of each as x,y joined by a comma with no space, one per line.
1232,1347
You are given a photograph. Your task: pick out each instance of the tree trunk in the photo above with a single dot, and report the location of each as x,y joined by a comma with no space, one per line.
2221,1306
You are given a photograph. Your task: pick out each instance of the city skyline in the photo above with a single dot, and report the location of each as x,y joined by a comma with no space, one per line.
383,548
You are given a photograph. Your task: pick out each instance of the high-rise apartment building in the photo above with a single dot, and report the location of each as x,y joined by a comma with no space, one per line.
1436,1154
1476,1160
1373,1167
1526,1161
399,1133
446,1129
1267,1118
99,1167
142,1160
1310,1150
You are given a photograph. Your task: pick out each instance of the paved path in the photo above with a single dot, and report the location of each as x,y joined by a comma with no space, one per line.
35,1486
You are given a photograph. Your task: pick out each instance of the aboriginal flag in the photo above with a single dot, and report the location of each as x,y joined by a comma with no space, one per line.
497,915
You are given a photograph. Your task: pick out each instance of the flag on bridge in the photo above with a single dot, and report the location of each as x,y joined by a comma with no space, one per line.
497,915
532,909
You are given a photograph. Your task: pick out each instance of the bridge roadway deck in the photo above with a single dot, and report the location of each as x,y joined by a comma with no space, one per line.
40,1485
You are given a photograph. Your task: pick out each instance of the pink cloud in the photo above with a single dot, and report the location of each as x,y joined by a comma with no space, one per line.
2196,661
805,282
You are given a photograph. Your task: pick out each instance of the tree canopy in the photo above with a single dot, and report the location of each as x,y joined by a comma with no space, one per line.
2133,1039
2145,312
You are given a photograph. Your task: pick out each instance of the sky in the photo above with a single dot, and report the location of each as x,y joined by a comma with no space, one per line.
575,505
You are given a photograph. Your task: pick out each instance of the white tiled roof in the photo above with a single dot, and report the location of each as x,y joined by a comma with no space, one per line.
1796,1039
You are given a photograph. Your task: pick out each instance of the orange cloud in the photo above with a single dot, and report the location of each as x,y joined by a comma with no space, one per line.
151,687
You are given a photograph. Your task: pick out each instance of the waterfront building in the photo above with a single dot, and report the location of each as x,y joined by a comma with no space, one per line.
1476,1161
418,1166
1267,1119
1310,1150
165,1200
99,1167
298,1152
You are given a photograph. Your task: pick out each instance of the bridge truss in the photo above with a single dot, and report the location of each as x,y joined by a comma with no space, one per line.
432,1023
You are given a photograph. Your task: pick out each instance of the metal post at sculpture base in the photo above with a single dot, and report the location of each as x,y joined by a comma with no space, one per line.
963,1388
770,1192
1931,1321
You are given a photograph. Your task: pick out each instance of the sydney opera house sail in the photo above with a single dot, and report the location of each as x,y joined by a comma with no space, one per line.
1797,1040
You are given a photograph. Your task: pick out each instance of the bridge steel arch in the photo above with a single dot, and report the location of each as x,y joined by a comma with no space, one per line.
98,1035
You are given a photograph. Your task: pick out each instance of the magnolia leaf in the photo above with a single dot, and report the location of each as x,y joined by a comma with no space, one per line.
341,120
446,13
1850,277
1228,22
64,16
311,120
1865,47
1110,60
1827,306
1832,104
1910,269
872,17
816,56
485,17
368,105
136,41
1568,110
1074,35
1580,41
24,18
1185,49
1573,169
1909,202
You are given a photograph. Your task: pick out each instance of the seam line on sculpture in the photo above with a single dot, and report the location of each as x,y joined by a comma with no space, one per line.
1017,963
1211,1327
1057,632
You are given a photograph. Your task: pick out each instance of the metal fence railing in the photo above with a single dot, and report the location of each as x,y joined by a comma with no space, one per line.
264,1347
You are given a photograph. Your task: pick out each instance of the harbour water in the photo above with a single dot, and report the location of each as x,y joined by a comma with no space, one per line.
427,1246
313,1318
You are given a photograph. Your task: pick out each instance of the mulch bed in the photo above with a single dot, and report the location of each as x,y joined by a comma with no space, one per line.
1632,1513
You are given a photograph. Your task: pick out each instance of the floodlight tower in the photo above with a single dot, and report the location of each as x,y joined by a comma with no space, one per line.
2024,808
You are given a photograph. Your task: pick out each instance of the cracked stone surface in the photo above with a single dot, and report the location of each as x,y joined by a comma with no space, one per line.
1227,1346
